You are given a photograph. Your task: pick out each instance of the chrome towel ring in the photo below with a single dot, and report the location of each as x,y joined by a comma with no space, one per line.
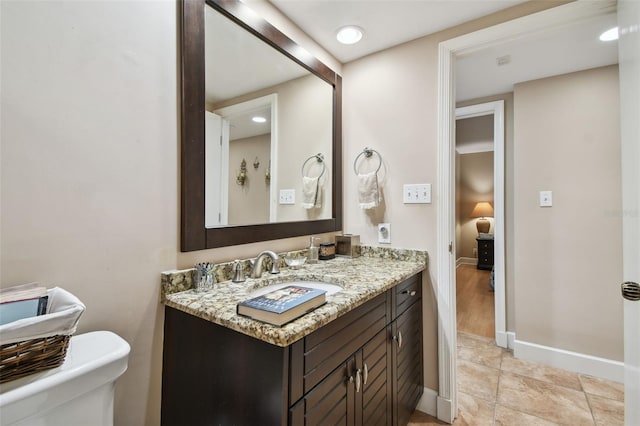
320,159
367,152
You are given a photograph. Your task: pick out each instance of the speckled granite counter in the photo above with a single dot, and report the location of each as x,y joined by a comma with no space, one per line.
362,278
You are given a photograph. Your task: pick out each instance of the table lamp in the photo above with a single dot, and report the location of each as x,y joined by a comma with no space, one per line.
482,210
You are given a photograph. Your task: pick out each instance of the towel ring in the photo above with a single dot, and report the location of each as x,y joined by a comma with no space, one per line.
367,152
320,159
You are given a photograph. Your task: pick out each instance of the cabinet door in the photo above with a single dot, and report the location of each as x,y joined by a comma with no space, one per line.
376,380
407,364
331,402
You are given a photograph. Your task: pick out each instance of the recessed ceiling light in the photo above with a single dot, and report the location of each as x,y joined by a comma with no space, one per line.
259,119
349,34
609,35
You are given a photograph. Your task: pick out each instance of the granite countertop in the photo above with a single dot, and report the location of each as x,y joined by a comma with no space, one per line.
361,278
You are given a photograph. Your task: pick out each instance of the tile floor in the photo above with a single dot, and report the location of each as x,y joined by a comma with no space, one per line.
494,388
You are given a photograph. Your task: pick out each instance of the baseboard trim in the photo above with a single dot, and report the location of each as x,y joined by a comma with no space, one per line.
570,361
429,402
445,411
466,261
505,339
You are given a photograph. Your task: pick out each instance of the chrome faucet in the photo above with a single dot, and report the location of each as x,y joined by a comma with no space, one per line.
256,270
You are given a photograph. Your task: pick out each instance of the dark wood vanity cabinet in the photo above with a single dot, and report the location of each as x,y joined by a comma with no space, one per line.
364,368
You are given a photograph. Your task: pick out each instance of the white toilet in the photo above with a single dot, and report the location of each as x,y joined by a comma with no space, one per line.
79,392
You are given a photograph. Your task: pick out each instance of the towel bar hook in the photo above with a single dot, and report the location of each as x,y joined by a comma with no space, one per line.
368,153
319,157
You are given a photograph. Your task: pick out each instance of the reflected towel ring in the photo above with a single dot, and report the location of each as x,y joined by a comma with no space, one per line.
367,152
320,159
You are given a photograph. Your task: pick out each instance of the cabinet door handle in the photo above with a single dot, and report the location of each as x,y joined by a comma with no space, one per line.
410,293
365,374
398,339
358,380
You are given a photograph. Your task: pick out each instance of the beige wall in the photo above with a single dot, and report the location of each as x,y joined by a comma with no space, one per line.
568,258
249,203
398,119
90,169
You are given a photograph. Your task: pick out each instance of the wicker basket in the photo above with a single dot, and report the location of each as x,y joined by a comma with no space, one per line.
31,345
31,356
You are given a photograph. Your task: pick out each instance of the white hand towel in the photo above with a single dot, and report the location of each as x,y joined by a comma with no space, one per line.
368,193
310,197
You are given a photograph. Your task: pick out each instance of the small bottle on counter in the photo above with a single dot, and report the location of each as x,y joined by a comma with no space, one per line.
313,251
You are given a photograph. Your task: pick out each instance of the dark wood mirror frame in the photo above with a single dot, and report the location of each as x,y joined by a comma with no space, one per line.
193,233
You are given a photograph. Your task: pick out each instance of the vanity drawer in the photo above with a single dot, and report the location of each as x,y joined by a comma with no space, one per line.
408,292
328,347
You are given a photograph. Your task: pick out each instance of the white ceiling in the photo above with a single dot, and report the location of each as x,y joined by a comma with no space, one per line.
390,22
567,49
386,23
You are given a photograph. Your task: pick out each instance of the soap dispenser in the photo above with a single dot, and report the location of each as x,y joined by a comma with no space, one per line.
313,251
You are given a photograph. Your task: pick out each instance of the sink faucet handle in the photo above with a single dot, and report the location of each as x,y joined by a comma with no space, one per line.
238,272
275,268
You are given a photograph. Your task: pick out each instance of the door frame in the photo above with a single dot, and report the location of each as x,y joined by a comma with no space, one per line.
499,242
445,258
629,65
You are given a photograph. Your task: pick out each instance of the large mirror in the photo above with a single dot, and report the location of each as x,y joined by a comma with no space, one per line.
245,181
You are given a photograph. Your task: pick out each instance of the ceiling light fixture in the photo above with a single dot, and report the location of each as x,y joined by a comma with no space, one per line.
349,34
258,119
609,35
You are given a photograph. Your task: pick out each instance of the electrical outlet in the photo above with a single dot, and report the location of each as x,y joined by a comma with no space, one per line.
287,196
384,233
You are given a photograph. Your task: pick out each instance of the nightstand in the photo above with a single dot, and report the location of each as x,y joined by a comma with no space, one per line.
485,253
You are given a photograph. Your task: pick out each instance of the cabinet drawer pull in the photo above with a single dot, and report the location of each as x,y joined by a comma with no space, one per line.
365,374
358,380
398,338
410,293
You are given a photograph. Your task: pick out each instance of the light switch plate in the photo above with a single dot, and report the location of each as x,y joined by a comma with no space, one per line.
287,196
416,193
546,198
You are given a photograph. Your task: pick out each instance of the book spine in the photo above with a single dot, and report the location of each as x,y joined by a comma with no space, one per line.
42,305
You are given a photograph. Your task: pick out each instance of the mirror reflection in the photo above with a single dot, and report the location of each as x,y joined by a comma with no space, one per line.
266,116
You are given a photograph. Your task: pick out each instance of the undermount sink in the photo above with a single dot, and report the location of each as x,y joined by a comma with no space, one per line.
321,285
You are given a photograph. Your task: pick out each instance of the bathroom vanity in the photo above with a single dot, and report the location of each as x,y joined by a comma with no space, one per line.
356,360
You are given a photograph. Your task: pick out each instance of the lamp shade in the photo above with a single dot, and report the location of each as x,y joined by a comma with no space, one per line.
482,209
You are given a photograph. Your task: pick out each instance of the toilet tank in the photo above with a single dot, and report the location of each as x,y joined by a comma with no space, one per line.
79,392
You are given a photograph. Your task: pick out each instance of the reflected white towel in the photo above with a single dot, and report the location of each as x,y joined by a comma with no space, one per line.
368,193
310,197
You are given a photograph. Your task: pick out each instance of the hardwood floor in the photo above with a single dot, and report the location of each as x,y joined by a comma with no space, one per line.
474,301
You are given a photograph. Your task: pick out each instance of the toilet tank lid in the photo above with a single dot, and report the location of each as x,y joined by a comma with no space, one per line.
86,353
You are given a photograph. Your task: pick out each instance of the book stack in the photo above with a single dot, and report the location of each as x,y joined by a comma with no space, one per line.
22,301
281,306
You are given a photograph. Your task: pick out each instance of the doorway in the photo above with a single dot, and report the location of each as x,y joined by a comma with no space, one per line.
448,50
475,227
479,167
